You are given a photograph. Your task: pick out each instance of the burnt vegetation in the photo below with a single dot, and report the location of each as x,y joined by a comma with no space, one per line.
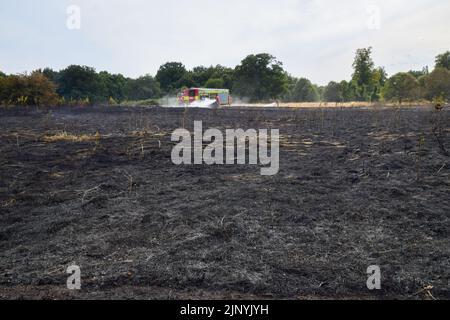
96,187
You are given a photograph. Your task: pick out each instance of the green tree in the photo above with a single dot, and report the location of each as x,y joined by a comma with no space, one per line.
142,88
333,92
51,75
363,66
291,82
216,83
419,73
201,75
379,78
443,60
113,86
320,91
2,86
363,74
260,77
186,81
225,74
81,82
402,86
303,91
171,76
3,92
436,84
14,90
349,90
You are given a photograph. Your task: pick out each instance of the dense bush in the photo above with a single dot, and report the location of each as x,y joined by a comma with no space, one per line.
33,89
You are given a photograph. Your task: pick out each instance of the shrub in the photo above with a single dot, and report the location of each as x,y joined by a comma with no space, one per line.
33,89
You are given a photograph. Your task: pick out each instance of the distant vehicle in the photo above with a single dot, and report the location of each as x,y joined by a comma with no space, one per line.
195,95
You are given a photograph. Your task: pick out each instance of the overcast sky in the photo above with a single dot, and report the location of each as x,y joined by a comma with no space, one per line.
316,39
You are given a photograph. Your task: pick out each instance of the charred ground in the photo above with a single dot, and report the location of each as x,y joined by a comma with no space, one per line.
97,188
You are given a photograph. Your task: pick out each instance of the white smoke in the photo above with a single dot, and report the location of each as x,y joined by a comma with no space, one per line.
170,102
174,102
206,103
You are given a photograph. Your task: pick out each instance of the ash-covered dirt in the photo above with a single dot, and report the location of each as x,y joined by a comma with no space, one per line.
356,187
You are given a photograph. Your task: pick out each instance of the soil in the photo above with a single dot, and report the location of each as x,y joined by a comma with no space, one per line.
356,187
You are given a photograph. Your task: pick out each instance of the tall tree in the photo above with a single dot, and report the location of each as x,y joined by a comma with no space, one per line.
81,82
363,66
333,92
402,86
186,81
379,78
260,77
202,75
437,84
443,60
114,85
225,74
303,91
142,88
170,76
349,90
216,83
51,74
419,73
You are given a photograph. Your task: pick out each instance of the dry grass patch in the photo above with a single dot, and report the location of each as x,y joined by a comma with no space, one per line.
68,137
9,203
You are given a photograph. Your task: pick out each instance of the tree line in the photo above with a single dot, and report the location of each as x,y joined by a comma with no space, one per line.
259,77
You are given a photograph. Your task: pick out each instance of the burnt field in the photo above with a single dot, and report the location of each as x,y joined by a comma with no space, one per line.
97,188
